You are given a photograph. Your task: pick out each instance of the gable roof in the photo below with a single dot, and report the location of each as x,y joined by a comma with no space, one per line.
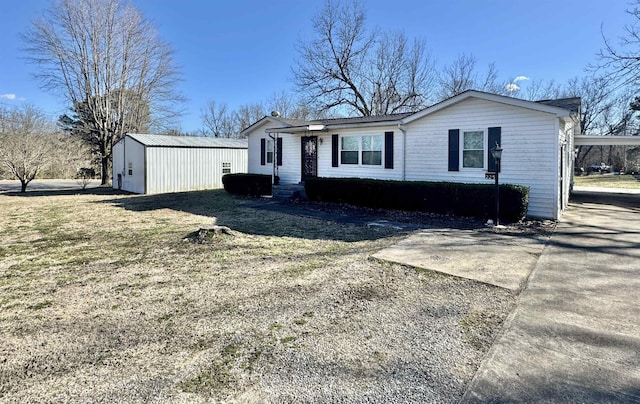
561,108
150,140
502,99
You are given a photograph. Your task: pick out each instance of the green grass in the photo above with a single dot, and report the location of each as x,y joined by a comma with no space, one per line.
626,181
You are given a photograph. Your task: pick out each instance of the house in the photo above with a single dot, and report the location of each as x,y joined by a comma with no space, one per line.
449,141
153,164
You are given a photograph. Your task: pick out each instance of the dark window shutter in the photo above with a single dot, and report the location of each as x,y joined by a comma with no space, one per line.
454,149
334,150
279,147
263,149
494,138
388,149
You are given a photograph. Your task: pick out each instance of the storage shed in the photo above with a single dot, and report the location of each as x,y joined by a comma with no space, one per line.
153,164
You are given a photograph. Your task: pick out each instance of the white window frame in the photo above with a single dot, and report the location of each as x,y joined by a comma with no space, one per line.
226,167
361,150
269,154
484,149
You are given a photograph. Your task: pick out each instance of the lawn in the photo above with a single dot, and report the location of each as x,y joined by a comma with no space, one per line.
608,181
104,297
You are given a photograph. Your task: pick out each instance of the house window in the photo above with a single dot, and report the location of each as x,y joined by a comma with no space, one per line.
350,150
226,168
473,149
365,150
372,150
269,151
130,168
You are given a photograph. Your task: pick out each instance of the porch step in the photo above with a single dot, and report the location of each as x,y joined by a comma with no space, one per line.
288,191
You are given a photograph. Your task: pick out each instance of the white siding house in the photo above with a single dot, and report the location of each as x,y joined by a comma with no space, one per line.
449,141
153,164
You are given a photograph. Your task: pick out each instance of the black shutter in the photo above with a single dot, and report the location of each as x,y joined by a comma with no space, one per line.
388,149
334,150
263,149
494,138
454,149
279,147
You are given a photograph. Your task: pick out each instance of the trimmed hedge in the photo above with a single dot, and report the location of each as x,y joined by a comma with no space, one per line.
477,200
247,184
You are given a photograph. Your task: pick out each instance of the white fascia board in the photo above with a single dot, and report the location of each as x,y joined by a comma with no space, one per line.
331,128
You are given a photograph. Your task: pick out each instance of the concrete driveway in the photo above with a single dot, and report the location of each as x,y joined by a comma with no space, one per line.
575,333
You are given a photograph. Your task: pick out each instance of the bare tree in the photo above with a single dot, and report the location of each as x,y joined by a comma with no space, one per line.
109,63
462,75
25,143
604,111
537,90
349,68
622,63
217,120
289,106
247,114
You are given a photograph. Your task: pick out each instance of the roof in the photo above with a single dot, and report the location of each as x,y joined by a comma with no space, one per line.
572,104
561,108
502,99
188,141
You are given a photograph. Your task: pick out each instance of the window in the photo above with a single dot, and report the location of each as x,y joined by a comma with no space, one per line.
372,150
350,149
365,150
226,168
269,151
130,170
473,149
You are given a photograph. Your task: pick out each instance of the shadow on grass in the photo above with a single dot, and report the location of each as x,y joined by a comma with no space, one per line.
106,190
249,215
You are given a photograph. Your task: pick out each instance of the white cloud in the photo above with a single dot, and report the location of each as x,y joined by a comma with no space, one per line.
520,78
511,87
7,96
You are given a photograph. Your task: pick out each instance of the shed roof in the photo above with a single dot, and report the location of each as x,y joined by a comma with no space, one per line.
188,141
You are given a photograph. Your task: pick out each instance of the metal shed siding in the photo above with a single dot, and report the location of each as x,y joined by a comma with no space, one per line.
529,139
178,169
128,154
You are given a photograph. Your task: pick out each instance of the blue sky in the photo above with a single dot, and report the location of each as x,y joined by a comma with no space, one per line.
241,52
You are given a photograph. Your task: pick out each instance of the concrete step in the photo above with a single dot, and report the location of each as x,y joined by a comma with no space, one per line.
288,191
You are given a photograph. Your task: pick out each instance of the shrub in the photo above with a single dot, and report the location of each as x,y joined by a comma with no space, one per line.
247,184
476,200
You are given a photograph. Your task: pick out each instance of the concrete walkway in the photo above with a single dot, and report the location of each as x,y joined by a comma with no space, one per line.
479,254
575,333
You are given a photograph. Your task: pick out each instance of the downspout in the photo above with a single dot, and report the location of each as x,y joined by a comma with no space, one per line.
275,157
404,151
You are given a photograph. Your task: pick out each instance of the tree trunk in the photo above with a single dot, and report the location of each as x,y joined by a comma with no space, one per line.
23,186
104,175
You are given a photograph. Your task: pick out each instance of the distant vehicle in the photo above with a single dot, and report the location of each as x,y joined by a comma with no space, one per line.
599,168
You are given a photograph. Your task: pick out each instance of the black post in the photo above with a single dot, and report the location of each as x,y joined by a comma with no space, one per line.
497,193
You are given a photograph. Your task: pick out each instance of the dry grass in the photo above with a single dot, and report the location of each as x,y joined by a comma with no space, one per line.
608,181
102,299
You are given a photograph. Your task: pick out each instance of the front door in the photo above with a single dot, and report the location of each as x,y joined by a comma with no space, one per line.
309,157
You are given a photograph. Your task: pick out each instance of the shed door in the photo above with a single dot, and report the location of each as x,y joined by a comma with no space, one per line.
309,146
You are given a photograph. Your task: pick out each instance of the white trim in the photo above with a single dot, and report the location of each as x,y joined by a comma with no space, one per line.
485,141
586,140
360,150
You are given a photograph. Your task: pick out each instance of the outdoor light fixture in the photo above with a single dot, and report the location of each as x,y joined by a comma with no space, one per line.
496,153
